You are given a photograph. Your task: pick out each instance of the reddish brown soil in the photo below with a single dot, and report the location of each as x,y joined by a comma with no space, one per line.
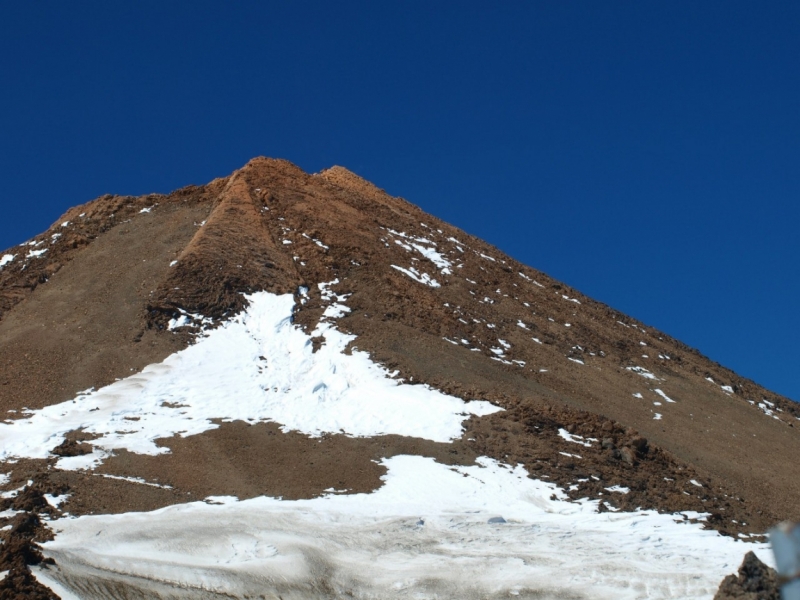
95,306
83,327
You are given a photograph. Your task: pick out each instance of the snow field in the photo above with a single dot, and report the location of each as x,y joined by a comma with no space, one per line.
267,364
431,531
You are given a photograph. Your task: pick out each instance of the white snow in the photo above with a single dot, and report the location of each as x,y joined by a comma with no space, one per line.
146,210
643,372
188,319
6,258
267,364
403,245
181,321
138,480
416,243
55,501
423,278
432,255
570,455
36,253
431,531
664,396
657,417
316,241
533,281
727,388
638,395
618,489
575,439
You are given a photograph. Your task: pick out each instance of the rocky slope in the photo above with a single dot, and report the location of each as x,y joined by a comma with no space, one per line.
592,400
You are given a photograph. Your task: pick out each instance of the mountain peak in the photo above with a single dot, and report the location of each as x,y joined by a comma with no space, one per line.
347,179
190,320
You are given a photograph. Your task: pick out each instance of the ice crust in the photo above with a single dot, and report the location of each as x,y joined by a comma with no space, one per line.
431,531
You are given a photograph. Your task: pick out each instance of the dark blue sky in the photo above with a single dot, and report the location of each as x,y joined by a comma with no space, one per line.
645,153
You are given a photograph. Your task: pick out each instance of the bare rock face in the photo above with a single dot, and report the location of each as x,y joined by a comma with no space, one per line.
755,581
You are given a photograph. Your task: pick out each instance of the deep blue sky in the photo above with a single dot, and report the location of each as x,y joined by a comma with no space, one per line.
646,153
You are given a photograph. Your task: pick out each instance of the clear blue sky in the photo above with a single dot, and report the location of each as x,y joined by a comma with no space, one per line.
646,153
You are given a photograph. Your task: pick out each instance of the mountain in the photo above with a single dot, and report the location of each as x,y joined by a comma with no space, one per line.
298,385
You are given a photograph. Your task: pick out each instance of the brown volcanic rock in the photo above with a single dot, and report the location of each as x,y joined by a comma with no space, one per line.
494,329
233,253
19,549
755,581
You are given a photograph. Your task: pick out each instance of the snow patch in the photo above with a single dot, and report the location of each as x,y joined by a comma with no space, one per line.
432,530
416,243
575,439
664,396
643,372
423,278
260,358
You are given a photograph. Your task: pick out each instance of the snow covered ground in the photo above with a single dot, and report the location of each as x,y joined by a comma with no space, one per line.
267,364
431,531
